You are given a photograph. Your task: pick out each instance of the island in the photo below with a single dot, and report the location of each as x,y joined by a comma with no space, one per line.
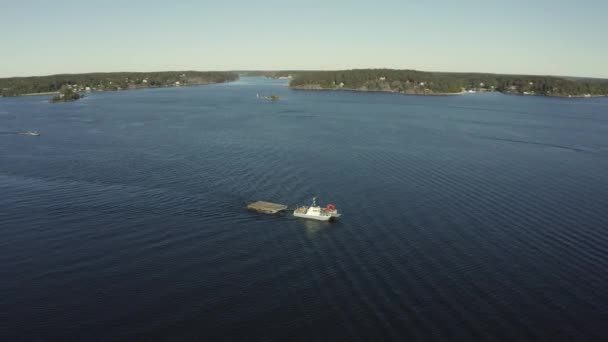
65,95
445,83
53,84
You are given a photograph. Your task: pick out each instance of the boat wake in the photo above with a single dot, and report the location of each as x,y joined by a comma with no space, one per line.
527,142
33,133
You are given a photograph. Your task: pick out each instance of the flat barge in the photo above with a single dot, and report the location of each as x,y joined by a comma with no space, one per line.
266,207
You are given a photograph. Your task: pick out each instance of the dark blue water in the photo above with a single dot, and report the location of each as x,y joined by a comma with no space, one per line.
477,217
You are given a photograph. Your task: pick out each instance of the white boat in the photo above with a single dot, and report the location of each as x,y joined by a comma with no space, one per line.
315,212
34,133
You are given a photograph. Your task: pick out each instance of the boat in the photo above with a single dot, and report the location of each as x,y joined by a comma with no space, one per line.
34,133
268,97
315,212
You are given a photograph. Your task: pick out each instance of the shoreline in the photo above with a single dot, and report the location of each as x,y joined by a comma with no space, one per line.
441,94
37,94
556,96
113,90
374,91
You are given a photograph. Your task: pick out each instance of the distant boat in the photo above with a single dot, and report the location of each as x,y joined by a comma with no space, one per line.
271,97
33,133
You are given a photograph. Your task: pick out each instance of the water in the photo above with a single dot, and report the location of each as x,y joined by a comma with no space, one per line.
465,217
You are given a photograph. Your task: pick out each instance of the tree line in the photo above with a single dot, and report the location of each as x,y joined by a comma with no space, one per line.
15,86
420,82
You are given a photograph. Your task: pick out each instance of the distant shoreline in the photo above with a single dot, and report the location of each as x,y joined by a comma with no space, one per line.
440,94
425,83
373,91
92,82
37,94
115,90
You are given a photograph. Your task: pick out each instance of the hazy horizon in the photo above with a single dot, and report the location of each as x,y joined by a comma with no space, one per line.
518,37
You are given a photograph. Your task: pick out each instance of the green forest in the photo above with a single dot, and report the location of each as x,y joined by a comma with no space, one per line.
389,80
420,82
16,86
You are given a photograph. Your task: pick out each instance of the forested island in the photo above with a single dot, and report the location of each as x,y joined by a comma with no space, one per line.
66,95
442,83
16,86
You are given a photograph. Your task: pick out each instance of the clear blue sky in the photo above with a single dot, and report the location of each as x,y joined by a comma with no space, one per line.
532,37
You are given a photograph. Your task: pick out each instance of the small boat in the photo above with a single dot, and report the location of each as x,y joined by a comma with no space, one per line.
268,97
34,133
315,212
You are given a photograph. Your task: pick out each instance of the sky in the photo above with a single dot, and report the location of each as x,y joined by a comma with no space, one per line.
516,37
